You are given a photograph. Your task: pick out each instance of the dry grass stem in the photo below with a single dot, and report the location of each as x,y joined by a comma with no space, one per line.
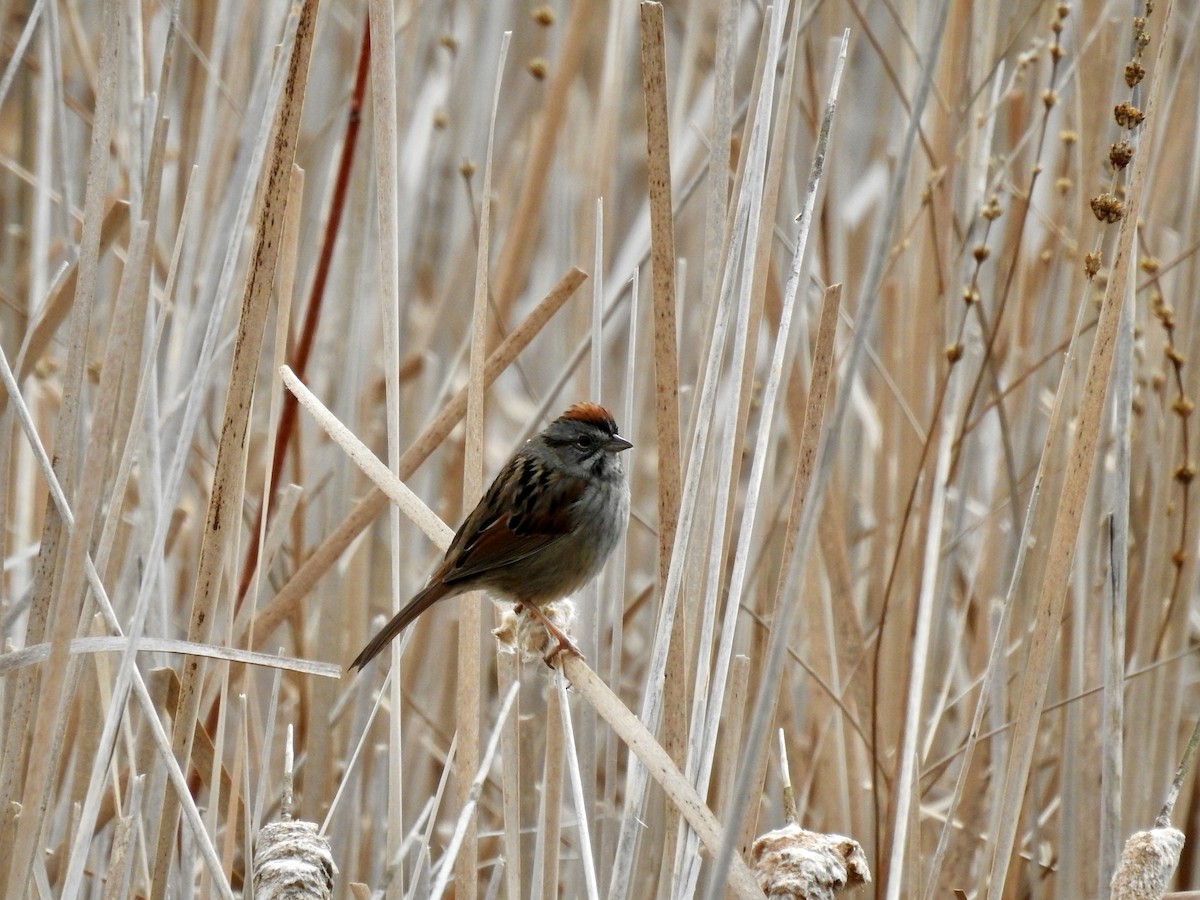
403,499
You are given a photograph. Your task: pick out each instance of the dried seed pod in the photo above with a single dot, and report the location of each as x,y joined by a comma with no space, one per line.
521,632
1134,73
538,67
292,860
1128,115
1147,864
1108,208
793,864
1120,154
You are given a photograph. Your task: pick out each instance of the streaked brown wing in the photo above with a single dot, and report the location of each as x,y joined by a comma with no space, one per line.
540,515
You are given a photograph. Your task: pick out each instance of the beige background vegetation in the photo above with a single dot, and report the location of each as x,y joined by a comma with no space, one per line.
962,586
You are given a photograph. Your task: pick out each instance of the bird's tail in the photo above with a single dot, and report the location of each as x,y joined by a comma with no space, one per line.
417,605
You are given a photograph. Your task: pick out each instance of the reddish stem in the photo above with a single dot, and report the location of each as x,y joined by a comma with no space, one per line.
287,419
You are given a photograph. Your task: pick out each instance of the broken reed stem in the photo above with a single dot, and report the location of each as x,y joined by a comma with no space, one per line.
789,793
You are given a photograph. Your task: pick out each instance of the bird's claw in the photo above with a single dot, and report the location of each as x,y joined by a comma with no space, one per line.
562,644
562,641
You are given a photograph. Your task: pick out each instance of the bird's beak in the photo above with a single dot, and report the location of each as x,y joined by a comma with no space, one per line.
616,444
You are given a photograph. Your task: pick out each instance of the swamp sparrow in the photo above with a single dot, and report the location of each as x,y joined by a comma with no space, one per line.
543,529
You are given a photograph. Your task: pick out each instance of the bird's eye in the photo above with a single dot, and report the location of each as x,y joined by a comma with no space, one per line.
584,442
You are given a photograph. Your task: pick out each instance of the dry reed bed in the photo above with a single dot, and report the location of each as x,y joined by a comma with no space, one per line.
936,525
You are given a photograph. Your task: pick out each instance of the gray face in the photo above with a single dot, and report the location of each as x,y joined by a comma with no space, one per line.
593,446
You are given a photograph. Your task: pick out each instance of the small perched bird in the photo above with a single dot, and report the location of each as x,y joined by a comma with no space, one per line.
543,529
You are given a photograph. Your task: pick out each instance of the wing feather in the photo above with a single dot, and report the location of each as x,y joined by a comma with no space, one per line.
538,502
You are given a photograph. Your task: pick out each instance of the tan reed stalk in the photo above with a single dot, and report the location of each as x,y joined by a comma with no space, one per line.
546,861
666,362
572,754
508,673
382,31
470,683
50,721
